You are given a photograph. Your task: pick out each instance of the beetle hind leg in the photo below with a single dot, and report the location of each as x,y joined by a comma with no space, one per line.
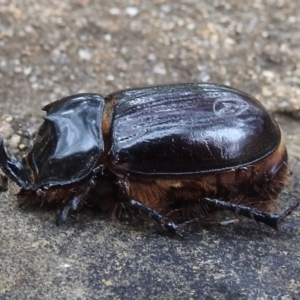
170,226
272,220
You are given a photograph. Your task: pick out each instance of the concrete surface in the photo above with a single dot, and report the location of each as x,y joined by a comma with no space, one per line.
50,49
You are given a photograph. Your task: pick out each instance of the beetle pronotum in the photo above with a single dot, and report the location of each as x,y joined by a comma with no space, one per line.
173,152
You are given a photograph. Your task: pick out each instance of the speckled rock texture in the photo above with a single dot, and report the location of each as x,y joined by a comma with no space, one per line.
51,49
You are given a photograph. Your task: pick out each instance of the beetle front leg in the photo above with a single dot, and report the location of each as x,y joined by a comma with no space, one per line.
155,216
73,204
272,220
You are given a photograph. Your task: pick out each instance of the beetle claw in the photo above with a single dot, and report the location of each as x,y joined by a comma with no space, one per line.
281,218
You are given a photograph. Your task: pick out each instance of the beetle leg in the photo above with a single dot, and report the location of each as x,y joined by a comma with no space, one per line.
3,183
272,220
155,216
73,204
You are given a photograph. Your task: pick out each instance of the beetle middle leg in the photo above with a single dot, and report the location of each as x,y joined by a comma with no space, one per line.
272,220
131,202
154,215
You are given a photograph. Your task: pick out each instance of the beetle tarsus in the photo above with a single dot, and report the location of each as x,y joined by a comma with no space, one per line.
281,217
170,226
272,220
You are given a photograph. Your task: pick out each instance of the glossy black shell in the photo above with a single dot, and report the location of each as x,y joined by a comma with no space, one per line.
189,129
174,130
68,145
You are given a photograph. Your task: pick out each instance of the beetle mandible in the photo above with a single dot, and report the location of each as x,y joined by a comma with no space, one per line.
174,153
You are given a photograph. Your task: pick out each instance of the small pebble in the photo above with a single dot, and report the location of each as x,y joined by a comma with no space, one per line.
7,118
15,140
84,54
132,11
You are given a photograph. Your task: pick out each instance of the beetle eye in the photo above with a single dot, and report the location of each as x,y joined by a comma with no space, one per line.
15,170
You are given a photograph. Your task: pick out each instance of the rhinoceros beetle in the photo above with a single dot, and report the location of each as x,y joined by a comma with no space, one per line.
174,153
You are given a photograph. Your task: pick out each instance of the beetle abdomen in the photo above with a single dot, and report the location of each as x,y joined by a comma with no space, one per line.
181,198
189,129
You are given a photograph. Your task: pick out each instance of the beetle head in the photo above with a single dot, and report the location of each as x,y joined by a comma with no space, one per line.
15,170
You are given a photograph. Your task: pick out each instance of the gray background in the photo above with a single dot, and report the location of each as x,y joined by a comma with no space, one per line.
51,49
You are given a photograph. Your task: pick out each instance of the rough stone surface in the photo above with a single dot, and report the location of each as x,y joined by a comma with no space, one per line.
51,49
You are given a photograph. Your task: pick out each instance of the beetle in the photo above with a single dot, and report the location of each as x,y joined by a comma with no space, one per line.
174,153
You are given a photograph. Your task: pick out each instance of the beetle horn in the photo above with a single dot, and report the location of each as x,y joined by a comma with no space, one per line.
16,171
